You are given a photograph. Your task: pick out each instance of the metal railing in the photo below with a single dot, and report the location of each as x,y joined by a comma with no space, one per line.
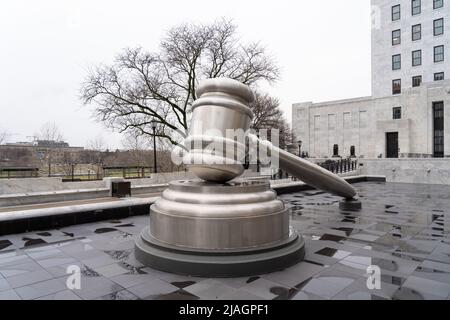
340,166
18,172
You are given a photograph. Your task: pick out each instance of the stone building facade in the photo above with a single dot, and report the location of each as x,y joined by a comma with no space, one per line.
367,123
399,35
412,122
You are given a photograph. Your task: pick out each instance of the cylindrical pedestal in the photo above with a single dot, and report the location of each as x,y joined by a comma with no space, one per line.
219,230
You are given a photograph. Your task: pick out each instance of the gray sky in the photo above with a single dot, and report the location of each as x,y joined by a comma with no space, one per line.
322,47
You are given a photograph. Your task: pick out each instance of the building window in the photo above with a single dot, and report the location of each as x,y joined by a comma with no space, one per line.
416,32
416,81
396,62
352,151
416,7
438,4
397,113
439,76
416,58
335,150
438,128
396,86
438,53
438,26
396,13
396,37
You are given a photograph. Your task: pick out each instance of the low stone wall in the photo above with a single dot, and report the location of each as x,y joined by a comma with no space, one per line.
20,199
15,192
426,171
27,185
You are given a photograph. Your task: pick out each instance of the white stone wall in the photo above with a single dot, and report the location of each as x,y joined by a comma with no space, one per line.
427,171
27,185
382,49
364,122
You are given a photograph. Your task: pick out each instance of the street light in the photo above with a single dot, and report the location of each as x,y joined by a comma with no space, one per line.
154,124
72,164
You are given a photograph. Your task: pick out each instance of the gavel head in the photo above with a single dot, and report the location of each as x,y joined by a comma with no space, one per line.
220,119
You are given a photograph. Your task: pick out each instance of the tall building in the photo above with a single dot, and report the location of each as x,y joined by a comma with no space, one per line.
408,113
410,44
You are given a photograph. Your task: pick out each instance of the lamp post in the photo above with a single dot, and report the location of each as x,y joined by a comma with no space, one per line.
49,163
300,148
154,145
72,165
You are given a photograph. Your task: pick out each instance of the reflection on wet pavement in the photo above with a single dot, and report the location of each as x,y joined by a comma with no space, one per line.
402,229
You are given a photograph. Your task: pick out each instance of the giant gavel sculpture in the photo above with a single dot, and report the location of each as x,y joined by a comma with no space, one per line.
218,226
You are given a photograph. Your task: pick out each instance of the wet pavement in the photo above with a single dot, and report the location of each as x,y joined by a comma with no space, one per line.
402,228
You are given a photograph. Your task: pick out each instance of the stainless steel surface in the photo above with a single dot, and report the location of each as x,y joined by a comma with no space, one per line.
226,86
309,172
219,228
315,175
222,105
211,167
220,263
203,215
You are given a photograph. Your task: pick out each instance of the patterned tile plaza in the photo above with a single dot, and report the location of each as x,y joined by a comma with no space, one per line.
402,228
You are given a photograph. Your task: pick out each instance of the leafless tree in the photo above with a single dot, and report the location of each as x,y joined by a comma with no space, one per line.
97,144
136,145
4,135
269,116
132,141
50,132
141,87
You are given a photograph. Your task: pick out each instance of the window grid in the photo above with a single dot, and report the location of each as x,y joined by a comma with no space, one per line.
396,37
438,128
416,32
438,4
397,113
416,81
396,62
416,7
396,13
438,53
439,76
417,58
438,27
396,86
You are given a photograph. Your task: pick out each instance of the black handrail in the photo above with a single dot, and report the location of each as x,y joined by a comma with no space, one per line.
340,166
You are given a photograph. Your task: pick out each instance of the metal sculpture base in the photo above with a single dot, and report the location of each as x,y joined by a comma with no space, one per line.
350,204
219,230
167,258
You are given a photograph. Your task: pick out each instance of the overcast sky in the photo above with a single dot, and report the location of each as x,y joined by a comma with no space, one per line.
322,48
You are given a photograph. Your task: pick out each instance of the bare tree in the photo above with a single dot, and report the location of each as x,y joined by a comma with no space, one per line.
49,132
137,145
97,147
4,135
132,141
269,116
97,144
141,87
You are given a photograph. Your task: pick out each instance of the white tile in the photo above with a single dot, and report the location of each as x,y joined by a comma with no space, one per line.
152,289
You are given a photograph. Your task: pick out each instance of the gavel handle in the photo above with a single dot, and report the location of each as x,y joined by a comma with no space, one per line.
308,172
